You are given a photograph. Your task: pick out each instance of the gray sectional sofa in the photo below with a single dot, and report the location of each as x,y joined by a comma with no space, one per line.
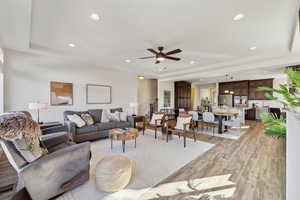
95,131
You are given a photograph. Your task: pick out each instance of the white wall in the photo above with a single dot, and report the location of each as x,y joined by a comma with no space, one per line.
162,86
27,79
147,94
292,157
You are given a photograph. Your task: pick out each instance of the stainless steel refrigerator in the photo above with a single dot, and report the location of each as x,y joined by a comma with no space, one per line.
226,100
240,100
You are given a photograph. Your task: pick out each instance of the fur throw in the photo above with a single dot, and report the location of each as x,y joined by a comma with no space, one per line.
16,125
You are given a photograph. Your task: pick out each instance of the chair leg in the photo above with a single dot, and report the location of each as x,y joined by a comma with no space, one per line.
144,129
155,132
184,141
194,136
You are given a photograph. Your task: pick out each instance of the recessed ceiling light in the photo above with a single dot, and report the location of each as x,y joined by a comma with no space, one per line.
141,77
127,60
238,17
253,48
192,62
95,17
71,45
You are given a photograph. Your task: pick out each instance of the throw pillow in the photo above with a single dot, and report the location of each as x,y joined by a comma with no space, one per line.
88,119
113,110
104,117
114,117
181,121
77,120
123,116
155,117
96,114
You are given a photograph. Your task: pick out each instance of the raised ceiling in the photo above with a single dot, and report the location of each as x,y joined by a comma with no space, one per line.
204,30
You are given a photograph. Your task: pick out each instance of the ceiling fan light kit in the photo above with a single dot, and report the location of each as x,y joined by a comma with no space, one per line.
161,56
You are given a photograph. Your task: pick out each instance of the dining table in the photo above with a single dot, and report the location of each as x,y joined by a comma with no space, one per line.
220,116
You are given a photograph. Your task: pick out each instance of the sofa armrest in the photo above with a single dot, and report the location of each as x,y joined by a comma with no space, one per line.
54,129
51,140
47,176
71,129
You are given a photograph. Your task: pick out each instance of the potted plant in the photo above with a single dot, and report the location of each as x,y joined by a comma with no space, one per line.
290,92
290,99
274,125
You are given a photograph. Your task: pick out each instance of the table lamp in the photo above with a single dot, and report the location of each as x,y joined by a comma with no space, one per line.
38,106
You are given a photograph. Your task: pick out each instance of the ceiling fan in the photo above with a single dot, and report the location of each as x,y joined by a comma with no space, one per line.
160,56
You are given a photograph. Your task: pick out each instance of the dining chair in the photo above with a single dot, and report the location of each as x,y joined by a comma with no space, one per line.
184,126
235,122
156,122
209,121
195,118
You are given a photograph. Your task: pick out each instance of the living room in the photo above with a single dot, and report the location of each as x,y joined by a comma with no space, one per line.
149,99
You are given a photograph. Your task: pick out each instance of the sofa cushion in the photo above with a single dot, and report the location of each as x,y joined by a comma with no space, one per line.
116,110
87,129
105,126
96,114
122,124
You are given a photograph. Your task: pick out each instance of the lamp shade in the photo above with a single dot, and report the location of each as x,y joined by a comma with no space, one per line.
35,106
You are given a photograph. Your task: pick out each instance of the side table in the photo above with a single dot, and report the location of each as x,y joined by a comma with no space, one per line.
134,119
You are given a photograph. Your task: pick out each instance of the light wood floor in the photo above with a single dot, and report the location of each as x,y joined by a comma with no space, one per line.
255,161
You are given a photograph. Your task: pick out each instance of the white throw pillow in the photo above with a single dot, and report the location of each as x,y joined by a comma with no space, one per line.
114,117
155,117
104,117
77,120
123,116
181,121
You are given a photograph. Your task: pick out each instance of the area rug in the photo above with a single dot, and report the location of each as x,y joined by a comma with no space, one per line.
233,133
154,160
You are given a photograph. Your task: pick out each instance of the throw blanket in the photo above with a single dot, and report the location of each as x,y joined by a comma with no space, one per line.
16,125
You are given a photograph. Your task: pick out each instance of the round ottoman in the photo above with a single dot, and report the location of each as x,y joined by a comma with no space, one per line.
113,173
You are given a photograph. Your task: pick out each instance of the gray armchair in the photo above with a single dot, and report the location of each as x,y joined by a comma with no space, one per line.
64,167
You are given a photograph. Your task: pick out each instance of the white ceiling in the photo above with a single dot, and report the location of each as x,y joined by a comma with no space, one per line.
204,30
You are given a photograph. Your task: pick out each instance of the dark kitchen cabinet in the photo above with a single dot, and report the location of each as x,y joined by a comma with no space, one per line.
259,95
246,88
182,95
250,114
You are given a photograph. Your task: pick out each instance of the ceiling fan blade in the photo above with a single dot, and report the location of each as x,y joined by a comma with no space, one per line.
174,51
172,58
152,51
157,62
147,57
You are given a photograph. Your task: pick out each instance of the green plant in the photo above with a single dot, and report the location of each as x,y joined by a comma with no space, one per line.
290,92
274,125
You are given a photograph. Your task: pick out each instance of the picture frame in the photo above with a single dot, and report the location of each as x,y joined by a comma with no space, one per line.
61,93
98,94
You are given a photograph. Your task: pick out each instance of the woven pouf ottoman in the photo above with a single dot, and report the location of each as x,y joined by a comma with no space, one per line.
113,173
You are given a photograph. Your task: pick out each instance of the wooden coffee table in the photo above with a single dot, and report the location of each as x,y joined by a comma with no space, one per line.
123,135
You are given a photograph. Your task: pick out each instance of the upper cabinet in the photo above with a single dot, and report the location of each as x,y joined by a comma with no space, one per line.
246,88
259,95
183,94
239,88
